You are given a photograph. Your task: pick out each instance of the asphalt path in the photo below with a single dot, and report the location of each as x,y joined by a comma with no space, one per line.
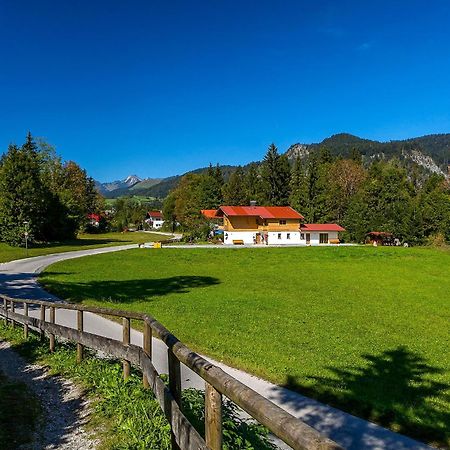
18,279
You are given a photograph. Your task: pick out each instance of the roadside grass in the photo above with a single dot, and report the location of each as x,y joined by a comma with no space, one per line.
125,415
364,329
83,242
19,414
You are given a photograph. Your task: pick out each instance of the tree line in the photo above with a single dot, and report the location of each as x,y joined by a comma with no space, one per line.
380,196
42,196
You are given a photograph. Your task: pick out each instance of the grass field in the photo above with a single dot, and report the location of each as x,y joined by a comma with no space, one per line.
83,242
19,413
365,329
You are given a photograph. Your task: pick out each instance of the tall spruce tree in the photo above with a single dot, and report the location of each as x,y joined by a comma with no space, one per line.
299,191
22,195
234,192
275,174
253,184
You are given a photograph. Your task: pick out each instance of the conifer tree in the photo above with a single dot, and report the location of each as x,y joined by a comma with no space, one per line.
22,194
275,174
234,191
299,192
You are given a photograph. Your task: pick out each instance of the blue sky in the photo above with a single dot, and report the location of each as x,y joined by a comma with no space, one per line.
158,88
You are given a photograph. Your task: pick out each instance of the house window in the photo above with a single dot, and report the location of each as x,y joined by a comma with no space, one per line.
279,235
282,222
302,236
323,238
288,235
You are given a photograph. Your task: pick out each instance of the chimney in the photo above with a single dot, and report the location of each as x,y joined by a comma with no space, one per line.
252,202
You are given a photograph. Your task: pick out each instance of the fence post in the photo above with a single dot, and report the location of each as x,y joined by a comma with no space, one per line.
126,341
5,307
25,325
213,417
174,386
52,336
147,346
13,309
41,332
80,326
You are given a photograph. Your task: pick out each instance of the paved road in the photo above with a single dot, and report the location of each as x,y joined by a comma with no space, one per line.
18,279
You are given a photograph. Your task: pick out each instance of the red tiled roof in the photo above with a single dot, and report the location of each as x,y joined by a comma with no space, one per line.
265,212
209,213
155,214
321,227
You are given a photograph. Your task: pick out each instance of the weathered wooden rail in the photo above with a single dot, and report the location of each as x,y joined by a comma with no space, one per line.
289,429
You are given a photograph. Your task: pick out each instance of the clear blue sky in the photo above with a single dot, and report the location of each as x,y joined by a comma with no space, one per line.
161,87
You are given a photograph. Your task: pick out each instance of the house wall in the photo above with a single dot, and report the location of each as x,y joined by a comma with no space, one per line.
246,236
254,223
281,238
240,223
295,237
315,238
274,225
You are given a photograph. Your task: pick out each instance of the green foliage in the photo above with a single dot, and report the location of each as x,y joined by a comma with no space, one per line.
128,415
41,195
128,212
234,192
22,195
238,433
275,176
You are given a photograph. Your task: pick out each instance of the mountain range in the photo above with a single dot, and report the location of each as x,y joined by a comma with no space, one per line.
431,152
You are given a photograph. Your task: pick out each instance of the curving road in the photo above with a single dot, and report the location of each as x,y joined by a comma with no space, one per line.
18,279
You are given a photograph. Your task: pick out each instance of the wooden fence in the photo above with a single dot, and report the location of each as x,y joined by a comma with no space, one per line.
289,429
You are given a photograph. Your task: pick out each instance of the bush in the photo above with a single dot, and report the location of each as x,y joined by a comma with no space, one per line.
436,240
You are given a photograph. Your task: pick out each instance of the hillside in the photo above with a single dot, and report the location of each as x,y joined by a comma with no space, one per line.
431,152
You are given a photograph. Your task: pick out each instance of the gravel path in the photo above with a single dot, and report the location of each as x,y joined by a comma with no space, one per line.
64,408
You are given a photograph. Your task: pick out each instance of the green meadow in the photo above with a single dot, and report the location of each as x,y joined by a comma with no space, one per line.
364,329
83,242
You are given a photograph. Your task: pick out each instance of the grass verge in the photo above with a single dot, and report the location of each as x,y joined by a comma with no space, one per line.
125,415
364,329
83,242
19,414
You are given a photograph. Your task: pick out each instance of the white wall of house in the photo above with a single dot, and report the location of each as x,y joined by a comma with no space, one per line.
315,236
278,238
284,237
155,223
230,236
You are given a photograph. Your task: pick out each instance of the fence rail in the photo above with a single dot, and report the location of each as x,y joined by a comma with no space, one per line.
218,383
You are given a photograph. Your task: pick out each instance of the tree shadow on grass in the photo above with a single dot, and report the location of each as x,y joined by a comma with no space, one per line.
126,291
396,389
81,243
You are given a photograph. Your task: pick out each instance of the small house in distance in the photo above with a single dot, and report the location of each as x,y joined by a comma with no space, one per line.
273,225
154,219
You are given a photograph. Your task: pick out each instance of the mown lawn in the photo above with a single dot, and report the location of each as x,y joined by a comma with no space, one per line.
83,242
365,329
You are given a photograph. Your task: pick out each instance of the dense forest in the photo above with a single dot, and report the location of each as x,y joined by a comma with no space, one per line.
384,195
43,197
